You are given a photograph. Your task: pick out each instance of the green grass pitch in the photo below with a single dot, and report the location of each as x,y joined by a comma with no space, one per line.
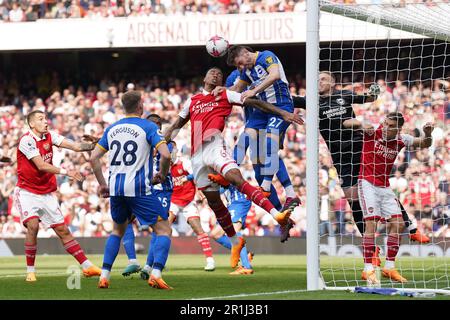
275,277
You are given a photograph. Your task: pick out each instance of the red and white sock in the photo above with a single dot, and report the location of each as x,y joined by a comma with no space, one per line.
257,197
393,244
224,219
203,239
368,245
74,248
30,254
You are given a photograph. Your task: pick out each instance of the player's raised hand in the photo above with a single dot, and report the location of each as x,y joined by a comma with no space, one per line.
104,191
293,118
248,94
374,90
74,174
368,129
158,178
217,91
428,128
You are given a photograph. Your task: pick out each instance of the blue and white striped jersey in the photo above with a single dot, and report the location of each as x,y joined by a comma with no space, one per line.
131,141
233,195
167,185
278,93
232,79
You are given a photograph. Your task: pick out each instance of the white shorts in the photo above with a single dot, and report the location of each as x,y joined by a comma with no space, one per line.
214,157
45,207
377,202
189,211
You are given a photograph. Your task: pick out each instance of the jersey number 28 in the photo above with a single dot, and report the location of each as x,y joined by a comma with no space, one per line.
129,153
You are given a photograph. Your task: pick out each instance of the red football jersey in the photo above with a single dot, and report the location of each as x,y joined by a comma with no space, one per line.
183,192
29,177
208,115
378,156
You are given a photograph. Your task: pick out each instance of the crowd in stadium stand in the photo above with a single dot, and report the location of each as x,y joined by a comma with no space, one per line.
420,178
32,10
16,11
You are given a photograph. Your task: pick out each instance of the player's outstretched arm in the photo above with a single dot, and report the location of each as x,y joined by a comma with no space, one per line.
96,165
172,131
356,124
370,96
43,166
79,146
269,108
426,140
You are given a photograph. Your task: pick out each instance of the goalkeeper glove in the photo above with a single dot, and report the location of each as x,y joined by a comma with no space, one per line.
374,90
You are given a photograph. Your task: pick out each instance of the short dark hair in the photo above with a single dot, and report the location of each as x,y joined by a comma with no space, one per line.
216,68
130,101
234,51
32,114
156,117
397,117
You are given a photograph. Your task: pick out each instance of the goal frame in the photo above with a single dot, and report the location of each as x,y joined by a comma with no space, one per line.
314,278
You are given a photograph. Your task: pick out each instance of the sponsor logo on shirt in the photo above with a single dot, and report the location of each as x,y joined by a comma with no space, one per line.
385,152
333,112
200,107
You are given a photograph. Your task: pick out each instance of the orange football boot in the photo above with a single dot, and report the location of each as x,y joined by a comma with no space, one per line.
92,271
393,274
158,283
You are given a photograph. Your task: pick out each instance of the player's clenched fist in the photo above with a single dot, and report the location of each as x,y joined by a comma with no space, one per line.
104,191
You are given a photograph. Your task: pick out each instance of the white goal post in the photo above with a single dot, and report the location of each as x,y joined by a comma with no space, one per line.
404,47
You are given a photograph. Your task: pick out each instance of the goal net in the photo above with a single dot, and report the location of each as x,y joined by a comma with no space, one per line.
404,48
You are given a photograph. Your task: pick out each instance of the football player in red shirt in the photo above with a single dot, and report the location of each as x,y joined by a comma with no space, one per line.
36,183
210,155
380,149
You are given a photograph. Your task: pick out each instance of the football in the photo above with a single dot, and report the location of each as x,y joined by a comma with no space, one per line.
217,46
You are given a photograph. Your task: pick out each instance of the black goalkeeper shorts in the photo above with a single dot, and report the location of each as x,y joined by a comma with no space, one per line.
347,167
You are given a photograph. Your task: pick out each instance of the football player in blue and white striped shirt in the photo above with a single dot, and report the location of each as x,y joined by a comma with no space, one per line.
132,141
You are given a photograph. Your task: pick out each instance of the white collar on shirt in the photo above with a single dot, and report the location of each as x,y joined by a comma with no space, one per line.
36,137
205,93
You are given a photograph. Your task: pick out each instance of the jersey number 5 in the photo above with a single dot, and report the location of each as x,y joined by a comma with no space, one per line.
129,150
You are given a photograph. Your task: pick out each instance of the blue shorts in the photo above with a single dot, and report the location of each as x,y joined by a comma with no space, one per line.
164,198
238,211
277,125
256,119
146,209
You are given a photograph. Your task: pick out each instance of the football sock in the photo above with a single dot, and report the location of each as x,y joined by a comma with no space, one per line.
257,197
203,240
30,254
128,242
283,176
73,247
224,241
162,247
151,250
112,247
273,198
393,244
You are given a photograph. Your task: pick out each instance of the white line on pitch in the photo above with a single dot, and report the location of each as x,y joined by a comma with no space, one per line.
250,294
38,274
